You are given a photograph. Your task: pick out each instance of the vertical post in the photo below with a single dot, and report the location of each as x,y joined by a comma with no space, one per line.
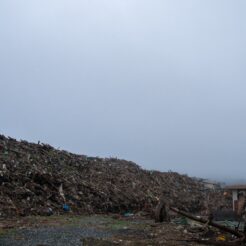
234,199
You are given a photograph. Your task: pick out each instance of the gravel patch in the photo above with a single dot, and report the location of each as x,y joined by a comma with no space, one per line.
62,236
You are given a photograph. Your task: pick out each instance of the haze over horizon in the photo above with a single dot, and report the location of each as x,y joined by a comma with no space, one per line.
160,83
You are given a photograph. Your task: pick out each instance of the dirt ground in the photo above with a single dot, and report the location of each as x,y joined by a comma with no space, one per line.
91,230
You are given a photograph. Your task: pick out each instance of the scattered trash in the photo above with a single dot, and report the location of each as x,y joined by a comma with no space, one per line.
229,237
221,238
66,208
128,214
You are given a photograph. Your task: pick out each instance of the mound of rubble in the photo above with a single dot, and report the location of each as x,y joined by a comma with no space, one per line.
37,178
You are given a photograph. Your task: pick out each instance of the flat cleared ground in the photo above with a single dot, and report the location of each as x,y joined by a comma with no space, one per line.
89,230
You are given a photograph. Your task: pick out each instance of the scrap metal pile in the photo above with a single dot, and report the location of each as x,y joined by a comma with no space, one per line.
39,179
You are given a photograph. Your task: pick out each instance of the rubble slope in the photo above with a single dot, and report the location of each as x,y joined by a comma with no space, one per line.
37,177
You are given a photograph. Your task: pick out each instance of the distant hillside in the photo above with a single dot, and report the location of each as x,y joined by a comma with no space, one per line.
35,178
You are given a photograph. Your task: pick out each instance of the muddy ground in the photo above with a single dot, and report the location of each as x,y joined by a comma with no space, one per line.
91,230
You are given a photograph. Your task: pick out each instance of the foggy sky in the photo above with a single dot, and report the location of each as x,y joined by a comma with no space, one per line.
161,83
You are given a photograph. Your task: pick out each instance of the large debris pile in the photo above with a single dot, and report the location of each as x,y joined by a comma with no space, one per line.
37,177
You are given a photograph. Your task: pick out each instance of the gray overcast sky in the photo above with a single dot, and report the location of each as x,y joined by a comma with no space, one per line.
158,82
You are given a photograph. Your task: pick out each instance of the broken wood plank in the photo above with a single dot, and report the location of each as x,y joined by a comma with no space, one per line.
211,223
